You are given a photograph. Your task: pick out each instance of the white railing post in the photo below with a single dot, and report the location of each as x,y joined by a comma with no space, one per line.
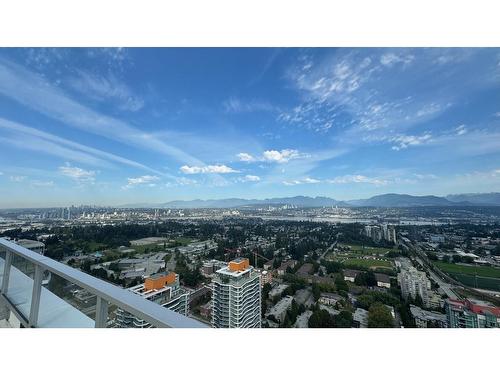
6,271
35,296
101,313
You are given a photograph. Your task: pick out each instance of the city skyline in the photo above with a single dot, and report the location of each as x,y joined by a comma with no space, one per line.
121,126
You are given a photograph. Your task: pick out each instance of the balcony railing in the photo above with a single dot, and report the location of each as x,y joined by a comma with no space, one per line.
34,305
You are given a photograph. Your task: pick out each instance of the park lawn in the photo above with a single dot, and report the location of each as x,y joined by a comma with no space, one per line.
368,263
184,240
468,270
367,249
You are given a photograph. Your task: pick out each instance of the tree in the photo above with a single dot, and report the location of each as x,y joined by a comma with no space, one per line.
341,284
343,320
365,301
379,316
316,290
321,319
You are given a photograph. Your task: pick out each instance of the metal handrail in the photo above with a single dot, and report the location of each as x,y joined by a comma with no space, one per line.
106,293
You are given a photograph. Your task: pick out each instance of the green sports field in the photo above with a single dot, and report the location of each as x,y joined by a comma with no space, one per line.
473,270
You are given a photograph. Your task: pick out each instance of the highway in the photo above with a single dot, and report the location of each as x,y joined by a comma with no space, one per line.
446,287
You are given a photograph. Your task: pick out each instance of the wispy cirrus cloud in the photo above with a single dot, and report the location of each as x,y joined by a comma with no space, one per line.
38,183
236,105
305,180
404,141
391,58
249,178
207,169
101,88
39,94
17,178
30,138
461,129
357,179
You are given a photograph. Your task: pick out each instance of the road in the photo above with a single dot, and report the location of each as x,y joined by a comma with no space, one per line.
446,287
329,248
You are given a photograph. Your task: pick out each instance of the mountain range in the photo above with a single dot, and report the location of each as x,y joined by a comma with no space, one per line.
384,200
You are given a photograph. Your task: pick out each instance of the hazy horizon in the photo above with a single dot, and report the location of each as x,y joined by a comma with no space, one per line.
150,125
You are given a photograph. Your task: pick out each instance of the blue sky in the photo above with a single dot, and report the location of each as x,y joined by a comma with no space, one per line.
115,126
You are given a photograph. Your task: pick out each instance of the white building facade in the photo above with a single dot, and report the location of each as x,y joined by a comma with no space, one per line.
236,296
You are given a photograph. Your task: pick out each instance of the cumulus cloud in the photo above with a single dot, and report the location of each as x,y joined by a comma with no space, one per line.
272,156
219,169
282,156
243,156
78,174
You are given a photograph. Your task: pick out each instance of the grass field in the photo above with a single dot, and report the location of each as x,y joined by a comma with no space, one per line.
468,270
358,249
368,263
478,282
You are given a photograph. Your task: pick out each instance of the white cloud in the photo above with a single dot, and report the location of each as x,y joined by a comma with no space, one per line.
250,178
17,178
107,88
403,141
219,169
390,59
243,156
348,179
78,174
306,180
283,156
273,156
431,109
37,140
142,180
41,95
236,105
461,130
37,183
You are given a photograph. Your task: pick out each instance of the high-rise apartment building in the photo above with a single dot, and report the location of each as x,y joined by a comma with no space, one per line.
414,283
162,288
236,296
470,314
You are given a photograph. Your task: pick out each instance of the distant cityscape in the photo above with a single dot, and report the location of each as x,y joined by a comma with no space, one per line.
276,265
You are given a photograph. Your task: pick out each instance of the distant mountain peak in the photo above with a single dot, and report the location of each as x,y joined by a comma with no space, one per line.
382,200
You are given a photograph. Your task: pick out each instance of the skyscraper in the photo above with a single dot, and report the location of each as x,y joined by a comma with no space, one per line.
236,297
